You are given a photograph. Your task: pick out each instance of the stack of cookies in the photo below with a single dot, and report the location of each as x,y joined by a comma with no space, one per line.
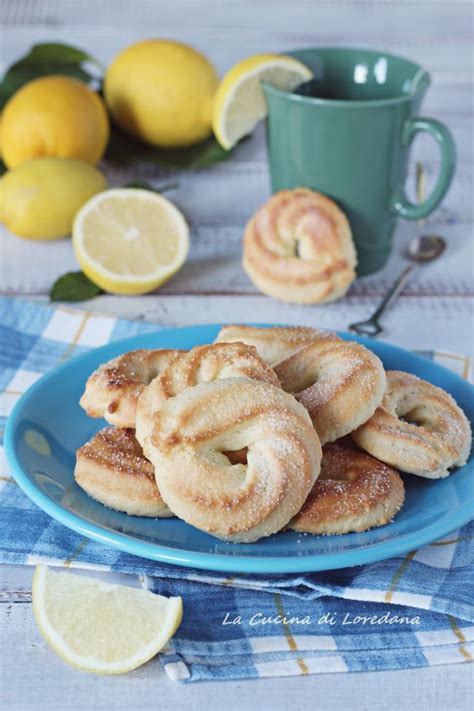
263,430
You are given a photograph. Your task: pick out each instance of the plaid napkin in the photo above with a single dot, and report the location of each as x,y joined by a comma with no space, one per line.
411,611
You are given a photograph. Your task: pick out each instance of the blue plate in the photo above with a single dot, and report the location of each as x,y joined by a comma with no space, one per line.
47,426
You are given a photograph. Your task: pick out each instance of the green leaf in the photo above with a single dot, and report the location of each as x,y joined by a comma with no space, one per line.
45,59
52,58
55,52
124,149
209,153
74,286
144,185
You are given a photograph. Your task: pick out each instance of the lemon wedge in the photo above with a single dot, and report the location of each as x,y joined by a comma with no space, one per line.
100,627
239,103
130,241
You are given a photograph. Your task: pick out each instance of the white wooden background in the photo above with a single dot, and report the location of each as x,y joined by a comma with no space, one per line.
435,311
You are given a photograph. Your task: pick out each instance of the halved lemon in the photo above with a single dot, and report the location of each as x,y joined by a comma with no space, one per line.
130,241
239,103
100,627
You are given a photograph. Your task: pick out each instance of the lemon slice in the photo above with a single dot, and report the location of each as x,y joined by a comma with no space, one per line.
99,627
130,241
239,103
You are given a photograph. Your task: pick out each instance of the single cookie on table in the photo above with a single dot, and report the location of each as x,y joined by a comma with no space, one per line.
111,468
193,431
298,248
274,343
340,383
113,389
202,364
354,492
418,428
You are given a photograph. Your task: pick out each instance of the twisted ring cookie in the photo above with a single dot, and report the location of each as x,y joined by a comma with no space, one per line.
202,364
113,389
273,344
298,248
340,383
353,492
111,468
418,428
235,502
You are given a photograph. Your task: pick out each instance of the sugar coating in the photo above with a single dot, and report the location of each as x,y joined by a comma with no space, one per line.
354,492
418,428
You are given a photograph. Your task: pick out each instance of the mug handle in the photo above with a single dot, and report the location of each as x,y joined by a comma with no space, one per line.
444,139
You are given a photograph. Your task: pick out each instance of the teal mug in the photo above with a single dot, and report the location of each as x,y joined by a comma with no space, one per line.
347,134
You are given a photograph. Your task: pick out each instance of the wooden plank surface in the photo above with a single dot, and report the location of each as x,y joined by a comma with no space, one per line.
214,264
36,679
415,323
435,311
218,202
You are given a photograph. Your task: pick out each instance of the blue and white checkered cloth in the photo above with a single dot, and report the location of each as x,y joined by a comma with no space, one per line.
412,611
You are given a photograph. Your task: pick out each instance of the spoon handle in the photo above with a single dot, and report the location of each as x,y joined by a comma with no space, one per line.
372,327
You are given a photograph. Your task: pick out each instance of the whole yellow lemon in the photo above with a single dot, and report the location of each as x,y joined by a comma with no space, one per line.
40,198
162,92
54,116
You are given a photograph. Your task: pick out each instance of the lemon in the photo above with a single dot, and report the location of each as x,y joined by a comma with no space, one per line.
130,241
161,92
239,102
54,116
39,199
100,627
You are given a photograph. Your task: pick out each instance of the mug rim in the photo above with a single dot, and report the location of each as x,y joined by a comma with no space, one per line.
355,103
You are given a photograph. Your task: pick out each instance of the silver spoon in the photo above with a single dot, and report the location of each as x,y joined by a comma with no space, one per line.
422,249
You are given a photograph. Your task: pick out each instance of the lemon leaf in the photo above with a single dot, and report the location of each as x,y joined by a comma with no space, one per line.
54,51
123,150
49,58
144,185
74,286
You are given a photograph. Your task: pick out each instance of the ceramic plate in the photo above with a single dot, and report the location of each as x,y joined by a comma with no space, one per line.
47,426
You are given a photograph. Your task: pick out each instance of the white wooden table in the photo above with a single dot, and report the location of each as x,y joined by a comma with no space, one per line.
436,310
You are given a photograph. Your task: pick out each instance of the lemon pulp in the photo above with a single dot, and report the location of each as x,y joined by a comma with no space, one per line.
130,241
101,627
